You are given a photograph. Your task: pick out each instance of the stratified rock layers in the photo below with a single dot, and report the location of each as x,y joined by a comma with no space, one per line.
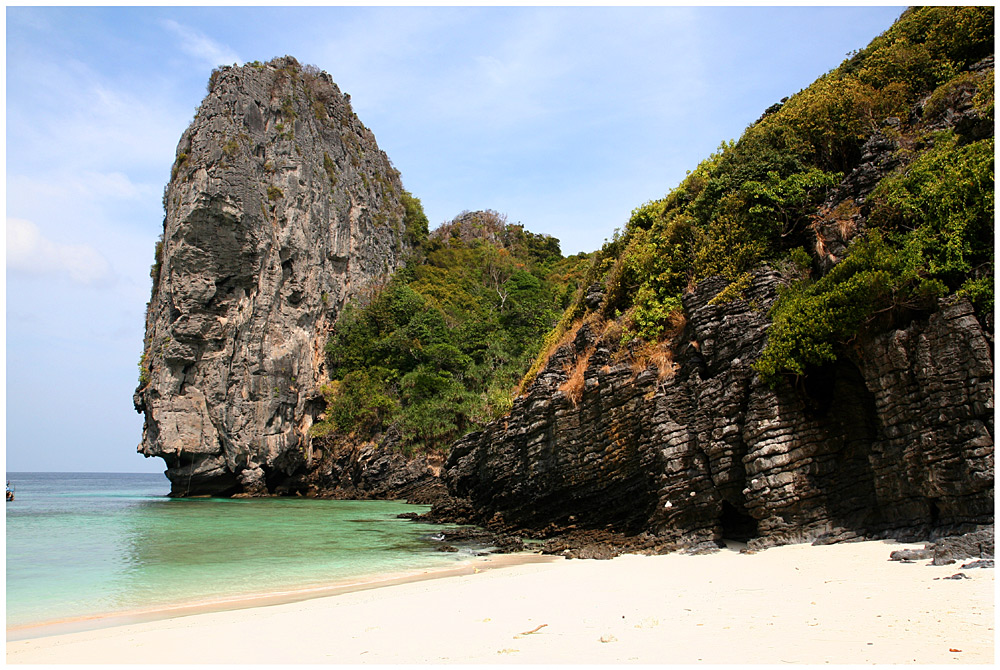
895,439
280,209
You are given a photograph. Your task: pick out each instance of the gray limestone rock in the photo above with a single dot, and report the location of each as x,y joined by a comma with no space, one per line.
280,209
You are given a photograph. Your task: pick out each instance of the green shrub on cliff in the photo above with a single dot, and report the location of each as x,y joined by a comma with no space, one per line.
936,221
154,270
810,319
944,203
144,375
359,402
415,222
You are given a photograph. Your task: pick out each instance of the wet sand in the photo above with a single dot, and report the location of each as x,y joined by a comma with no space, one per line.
246,601
798,604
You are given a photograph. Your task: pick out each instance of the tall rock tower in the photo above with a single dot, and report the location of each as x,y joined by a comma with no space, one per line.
280,209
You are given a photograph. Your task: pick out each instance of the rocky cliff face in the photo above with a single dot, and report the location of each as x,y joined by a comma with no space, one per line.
280,209
894,440
631,447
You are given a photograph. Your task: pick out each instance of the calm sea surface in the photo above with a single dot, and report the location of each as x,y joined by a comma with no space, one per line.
80,544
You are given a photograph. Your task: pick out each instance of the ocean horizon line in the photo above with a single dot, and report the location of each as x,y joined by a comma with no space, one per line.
80,472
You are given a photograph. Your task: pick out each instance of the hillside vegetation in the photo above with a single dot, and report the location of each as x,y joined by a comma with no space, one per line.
439,350
793,187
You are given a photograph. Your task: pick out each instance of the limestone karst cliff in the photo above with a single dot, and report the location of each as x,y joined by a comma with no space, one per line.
280,209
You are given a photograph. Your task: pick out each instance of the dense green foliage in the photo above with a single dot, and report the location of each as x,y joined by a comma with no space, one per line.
441,348
755,200
943,204
936,237
810,319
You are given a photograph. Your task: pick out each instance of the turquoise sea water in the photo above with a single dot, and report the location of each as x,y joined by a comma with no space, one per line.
85,544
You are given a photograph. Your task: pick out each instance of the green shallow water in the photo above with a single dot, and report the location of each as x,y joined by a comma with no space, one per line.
84,544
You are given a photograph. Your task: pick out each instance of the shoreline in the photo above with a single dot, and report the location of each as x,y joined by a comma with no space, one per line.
100,621
841,603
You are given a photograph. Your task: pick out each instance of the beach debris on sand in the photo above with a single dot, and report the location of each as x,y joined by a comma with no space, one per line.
533,630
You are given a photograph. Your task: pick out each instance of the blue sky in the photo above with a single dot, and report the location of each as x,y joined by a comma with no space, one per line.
565,119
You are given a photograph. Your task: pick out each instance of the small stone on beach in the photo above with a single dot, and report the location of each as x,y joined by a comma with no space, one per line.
984,563
910,555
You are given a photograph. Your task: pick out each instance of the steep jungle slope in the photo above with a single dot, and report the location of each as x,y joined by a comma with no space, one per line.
796,342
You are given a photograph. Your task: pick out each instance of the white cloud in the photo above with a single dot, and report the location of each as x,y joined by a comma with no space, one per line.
201,46
29,251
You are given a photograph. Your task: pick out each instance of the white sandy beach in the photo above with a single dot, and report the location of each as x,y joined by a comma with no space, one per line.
797,604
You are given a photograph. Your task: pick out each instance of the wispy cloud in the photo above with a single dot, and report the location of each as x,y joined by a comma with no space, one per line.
74,186
200,46
70,116
528,75
29,251
114,185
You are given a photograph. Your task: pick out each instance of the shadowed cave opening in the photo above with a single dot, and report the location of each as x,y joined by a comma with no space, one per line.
933,511
818,388
736,524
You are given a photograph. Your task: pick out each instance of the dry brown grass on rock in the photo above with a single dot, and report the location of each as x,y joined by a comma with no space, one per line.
611,332
567,337
573,386
553,341
675,324
656,354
